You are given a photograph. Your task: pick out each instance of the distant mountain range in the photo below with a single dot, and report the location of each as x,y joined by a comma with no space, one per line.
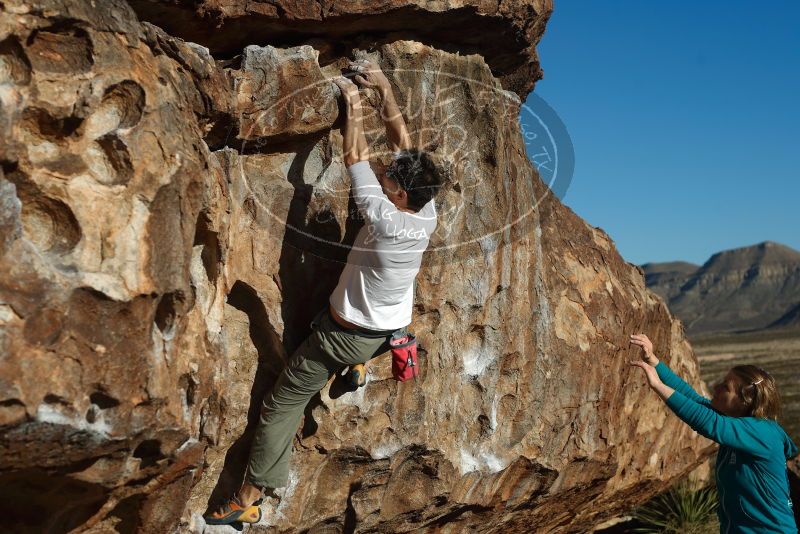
748,288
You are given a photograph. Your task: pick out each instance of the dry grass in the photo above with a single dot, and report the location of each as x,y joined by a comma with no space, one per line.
776,352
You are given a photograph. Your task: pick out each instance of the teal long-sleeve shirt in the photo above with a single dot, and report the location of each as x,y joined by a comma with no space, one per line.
752,480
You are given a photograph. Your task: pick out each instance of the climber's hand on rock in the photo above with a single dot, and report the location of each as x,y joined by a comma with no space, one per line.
652,376
349,91
369,74
647,348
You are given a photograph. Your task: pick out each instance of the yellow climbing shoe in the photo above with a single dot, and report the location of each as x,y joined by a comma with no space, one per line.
232,511
357,376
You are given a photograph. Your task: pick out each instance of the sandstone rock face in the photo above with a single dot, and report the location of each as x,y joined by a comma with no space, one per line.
504,33
170,224
105,378
289,97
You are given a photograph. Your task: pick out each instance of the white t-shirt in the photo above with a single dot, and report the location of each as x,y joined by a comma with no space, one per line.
376,287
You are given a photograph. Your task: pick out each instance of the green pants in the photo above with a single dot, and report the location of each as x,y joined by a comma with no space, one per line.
328,349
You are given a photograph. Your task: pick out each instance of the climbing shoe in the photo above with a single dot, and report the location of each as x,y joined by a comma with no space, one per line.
232,511
357,376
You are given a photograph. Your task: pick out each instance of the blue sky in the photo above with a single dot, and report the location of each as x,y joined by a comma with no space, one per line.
684,118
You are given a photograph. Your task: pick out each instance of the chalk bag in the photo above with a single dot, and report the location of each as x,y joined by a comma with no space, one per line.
404,357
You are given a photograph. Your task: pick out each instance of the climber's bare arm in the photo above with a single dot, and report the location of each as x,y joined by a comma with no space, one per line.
354,144
396,131
369,74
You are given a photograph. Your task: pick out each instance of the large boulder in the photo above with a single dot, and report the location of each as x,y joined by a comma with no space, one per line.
171,221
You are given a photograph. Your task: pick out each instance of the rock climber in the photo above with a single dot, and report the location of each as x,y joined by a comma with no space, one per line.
742,416
374,297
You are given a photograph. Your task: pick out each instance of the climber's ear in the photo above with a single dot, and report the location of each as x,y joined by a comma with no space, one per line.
402,194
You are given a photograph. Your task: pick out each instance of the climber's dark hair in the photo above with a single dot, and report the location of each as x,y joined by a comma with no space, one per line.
414,171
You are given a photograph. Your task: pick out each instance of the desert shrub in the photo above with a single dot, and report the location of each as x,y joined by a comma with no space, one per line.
682,509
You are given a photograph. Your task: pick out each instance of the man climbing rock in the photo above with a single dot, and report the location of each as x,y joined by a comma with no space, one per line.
373,299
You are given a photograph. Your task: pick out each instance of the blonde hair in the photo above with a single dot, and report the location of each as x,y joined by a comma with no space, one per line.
759,392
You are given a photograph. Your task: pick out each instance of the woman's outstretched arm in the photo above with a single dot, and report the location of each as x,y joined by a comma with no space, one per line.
743,433
678,384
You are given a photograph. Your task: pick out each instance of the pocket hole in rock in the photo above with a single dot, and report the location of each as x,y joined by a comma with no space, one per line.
60,49
149,452
51,398
208,238
46,222
118,159
189,385
12,411
485,427
121,107
103,400
166,312
65,165
14,65
41,124
128,97
50,225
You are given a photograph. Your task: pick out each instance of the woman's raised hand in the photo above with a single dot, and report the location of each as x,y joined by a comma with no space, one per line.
649,371
648,365
647,348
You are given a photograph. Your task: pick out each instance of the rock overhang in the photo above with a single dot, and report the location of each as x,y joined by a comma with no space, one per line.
504,33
